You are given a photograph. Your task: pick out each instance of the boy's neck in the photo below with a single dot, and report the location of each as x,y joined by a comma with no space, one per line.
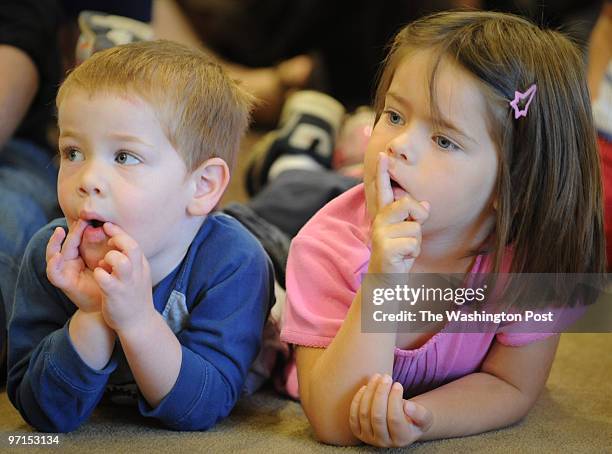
164,263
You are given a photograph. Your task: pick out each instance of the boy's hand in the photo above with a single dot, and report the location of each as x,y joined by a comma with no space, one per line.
379,415
396,241
124,277
67,271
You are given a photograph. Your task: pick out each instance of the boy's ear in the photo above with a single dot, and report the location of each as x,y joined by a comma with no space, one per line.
209,180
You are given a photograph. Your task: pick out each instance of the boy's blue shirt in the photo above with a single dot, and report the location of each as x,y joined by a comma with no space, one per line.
216,302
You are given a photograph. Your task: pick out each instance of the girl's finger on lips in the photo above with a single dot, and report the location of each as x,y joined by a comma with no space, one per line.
354,412
365,405
384,191
378,412
396,419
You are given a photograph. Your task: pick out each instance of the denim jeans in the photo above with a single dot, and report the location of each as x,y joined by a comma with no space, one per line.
28,200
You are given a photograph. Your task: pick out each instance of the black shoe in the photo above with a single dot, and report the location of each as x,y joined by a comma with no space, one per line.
307,130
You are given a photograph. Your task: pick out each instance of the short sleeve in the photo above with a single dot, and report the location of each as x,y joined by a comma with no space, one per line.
520,339
322,280
517,334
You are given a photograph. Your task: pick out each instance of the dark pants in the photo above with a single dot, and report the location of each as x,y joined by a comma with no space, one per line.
28,200
280,210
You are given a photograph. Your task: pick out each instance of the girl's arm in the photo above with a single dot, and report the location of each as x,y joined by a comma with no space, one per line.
329,378
502,393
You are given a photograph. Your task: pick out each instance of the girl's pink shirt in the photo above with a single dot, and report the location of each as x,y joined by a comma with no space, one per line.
326,261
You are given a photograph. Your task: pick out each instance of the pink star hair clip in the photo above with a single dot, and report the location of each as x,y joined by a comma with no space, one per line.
518,97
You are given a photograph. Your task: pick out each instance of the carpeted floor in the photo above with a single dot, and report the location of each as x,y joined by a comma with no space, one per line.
573,415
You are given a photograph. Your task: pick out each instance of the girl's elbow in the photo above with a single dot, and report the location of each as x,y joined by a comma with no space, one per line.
336,438
331,431
522,407
526,406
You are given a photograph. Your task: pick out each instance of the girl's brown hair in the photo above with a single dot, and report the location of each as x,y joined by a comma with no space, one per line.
549,191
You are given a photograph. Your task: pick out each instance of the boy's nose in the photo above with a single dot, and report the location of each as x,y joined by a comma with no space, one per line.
91,182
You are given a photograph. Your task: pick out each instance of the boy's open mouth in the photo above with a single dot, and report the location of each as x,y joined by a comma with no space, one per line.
94,233
95,223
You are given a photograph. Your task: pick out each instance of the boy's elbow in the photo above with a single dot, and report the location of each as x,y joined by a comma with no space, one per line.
62,427
193,423
203,418
190,425
51,423
59,425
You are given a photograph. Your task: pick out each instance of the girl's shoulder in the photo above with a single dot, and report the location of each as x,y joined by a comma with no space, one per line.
343,218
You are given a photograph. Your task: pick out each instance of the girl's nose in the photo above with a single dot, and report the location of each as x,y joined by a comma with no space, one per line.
402,147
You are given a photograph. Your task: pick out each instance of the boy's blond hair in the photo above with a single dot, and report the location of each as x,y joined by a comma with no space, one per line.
203,111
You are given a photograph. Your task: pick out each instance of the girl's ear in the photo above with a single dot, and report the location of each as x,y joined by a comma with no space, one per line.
209,181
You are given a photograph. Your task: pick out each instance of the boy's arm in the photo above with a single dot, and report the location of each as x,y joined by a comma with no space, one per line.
192,380
502,393
154,355
92,339
48,382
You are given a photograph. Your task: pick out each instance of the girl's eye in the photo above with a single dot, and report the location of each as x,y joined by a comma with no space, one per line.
394,118
126,159
73,155
445,143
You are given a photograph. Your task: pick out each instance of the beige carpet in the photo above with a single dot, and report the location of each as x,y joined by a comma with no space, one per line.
573,415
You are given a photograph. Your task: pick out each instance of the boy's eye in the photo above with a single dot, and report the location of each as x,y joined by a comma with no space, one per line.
125,158
72,154
445,143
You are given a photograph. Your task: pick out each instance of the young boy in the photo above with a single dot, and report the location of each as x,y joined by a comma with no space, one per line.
149,294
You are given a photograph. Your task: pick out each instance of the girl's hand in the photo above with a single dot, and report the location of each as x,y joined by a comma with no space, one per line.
379,415
67,271
124,277
396,241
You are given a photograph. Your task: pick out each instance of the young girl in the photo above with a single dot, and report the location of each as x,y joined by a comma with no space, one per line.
483,159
